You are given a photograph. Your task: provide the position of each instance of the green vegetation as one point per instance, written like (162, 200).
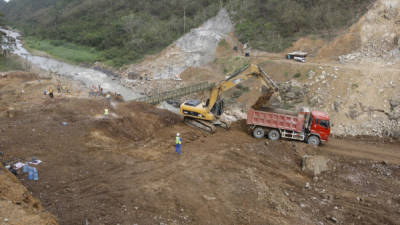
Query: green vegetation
(243, 88)
(223, 44)
(286, 74)
(273, 25)
(237, 94)
(240, 89)
(354, 86)
(9, 63)
(297, 75)
(123, 31)
(68, 51)
(232, 64)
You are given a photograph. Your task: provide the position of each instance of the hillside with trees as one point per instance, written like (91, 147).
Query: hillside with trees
(123, 31)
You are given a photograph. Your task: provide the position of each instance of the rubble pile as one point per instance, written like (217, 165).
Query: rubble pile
(375, 51)
(316, 98)
(292, 92)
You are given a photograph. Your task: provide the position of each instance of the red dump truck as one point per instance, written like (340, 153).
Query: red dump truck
(312, 127)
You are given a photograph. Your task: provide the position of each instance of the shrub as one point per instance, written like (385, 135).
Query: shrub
(297, 75)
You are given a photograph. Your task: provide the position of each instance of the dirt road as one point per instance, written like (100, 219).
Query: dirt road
(364, 149)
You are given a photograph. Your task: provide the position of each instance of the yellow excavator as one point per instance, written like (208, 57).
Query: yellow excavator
(206, 115)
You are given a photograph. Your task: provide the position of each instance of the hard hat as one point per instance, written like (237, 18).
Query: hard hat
(177, 134)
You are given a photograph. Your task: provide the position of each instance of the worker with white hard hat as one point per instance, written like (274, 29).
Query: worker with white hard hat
(178, 144)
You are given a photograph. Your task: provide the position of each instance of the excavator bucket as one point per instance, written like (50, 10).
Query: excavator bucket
(263, 100)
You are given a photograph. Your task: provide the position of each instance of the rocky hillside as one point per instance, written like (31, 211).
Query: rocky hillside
(355, 77)
(196, 48)
(124, 31)
(367, 98)
(374, 38)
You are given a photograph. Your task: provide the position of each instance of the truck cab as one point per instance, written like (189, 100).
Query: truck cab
(319, 126)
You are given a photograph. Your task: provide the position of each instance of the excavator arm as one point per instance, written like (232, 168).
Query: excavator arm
(245, 73)
(203, 116)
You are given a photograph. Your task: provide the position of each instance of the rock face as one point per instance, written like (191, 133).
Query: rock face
(315, 165)
(194, 49)
(395, 108)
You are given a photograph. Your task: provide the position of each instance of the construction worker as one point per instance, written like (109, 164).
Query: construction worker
(58, 87)
(106, 113)
(51, 93)
(178, 144)
(100, 90)
(108, 97)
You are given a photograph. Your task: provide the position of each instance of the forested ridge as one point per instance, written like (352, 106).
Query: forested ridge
(123, 31)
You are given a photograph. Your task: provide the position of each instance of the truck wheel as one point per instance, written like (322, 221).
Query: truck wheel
(274, 135)
(313, 140)
(258, 133)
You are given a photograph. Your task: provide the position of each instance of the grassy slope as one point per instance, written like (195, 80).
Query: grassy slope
(63, 50)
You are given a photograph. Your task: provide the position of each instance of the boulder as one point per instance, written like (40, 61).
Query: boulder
(394, 102)
(134, 76)
(315, 165)
(395, 114)
(11, 112)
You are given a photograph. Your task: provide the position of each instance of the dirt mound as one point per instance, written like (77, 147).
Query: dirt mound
(17, 206)
(344, 44)
(307, 44)
(136, 121)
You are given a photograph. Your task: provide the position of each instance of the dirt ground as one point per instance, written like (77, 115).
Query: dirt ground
(124, 169)
(17, 206)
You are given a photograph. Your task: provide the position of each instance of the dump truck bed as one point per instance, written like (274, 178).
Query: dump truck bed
(275, 120)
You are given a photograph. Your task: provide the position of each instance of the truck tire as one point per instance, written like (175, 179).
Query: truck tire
(258, 132)
(313, 140)
(274, 135)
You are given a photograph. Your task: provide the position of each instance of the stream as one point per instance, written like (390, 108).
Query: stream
(85, 75)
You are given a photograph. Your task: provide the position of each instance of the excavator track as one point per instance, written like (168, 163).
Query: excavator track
(201, 124)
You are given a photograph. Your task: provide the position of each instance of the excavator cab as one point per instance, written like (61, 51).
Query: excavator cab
(218, 108)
